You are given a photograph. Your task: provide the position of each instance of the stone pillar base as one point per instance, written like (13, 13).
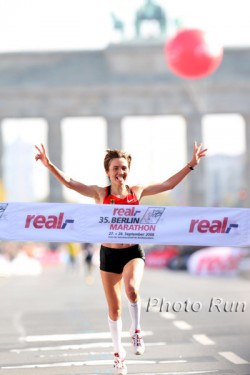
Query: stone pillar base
(55, 155)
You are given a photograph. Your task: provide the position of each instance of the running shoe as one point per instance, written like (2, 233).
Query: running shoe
(137, 342)
(120, 367)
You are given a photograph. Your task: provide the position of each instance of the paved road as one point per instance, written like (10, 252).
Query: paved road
(57, 324)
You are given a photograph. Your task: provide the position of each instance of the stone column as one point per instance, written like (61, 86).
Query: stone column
(247, 158)
(114, 132)
(196, 181)
(54, 142)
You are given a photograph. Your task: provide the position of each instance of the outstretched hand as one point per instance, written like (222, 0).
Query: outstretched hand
(197, 154)
(41, 155)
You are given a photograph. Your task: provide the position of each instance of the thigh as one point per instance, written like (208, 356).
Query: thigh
(112, 284)
(133, 273)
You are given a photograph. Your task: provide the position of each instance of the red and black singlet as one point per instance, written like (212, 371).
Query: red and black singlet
(112, 199)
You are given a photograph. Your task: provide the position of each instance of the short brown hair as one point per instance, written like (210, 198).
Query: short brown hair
(113, 154)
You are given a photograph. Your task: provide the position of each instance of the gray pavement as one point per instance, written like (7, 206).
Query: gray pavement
(56, 324)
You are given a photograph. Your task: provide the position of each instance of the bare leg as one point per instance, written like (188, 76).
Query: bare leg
(112, 284)
(132, 275)
(133, 272)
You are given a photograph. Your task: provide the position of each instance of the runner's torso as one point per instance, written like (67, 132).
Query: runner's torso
(130, 199)
(112, 199)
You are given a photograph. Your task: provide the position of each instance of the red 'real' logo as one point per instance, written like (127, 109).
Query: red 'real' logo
(48, 222)
(211, 226)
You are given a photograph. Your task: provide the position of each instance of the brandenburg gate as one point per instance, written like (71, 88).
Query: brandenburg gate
(126, 79)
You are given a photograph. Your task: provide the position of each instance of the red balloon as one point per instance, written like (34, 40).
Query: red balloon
(190, 54)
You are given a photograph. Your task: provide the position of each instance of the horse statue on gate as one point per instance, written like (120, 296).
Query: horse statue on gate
(150, 11)
(118, 24)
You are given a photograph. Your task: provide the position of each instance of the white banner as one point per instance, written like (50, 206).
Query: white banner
(64, 222)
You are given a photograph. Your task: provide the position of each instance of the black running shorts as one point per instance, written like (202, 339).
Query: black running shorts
(114, 260)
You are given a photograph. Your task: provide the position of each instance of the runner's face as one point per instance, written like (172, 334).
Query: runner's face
(118, 171)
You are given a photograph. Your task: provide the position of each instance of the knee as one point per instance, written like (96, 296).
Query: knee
(132, 294)
(115, 313)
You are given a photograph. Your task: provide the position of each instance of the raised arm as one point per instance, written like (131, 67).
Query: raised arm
(174, 180)
(89, 191)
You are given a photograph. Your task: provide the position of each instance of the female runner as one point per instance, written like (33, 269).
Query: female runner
(121, 262)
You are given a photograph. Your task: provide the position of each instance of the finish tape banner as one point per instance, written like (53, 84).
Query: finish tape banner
(65, 222)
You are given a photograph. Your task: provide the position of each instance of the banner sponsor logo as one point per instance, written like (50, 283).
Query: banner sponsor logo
(3, 207)
(152, 215)
(47, 222)
(125, 215)
(212, 226)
